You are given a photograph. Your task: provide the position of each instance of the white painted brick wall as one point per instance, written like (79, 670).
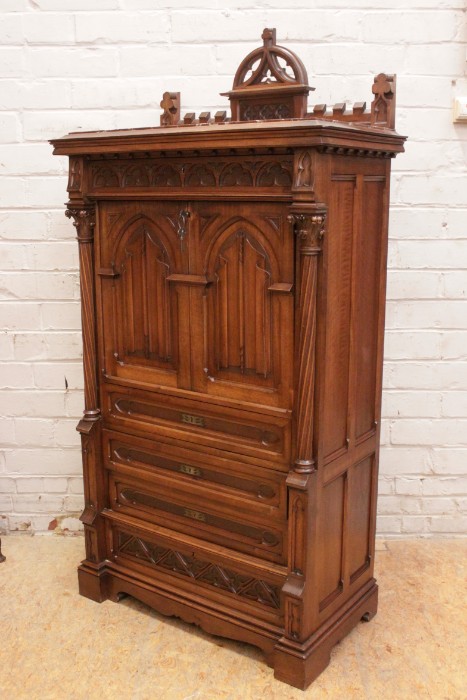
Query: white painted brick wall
(84, 64)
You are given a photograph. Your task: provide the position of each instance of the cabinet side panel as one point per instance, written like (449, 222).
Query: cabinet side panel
(336, 368)
(331, 540)
(359, 515)
(366, 303)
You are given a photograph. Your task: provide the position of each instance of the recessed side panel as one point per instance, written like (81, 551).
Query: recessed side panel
(367, 303)
(330, 569)
(361, 477)
(336, 368)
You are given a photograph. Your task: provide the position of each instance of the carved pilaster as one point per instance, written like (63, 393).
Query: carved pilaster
(294, 586)
(84, 222)
(308, 222)
(89, 427)
(299, 590)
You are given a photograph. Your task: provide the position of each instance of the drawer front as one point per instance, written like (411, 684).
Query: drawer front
(241, 487)
(195, 517)
(249, 434)
(197, 570)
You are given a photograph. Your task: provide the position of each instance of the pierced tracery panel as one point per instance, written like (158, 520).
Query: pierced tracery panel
(270, 64)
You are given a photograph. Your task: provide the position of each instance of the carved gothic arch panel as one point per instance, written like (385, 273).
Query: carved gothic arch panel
(143, 318)
(160, 232)
(224, 231)
(242, 267)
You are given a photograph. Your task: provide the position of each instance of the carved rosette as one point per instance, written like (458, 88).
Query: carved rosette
(309, 228)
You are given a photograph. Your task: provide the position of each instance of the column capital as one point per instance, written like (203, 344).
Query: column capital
(309, 226)
(84, 220)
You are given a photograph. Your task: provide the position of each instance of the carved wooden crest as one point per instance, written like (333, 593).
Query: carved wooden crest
(270, 83)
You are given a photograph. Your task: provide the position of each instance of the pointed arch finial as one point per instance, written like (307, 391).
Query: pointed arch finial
(270, 83)
(268, 36)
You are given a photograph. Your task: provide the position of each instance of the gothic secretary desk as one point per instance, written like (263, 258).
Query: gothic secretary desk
(233, 289)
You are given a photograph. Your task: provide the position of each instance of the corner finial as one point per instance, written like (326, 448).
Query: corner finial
(269, 37)
(383, 107)
(170, 103)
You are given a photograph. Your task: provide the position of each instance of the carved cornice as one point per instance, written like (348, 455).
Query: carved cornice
(358, 152)
(84, 220)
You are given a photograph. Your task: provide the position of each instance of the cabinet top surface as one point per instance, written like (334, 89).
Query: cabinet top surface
(277, 133)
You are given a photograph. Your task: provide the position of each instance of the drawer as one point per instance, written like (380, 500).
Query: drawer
(264, 437)
(195, 569)
(196, 517)
(242, 487)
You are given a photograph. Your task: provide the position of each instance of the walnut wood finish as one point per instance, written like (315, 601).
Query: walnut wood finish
(233, 289)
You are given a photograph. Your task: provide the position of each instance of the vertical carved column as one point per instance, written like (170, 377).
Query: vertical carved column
(83, 217)
(84, 222)
(308, 220)
(309, 227)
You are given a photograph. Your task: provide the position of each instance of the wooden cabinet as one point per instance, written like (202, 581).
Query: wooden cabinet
(233, 288)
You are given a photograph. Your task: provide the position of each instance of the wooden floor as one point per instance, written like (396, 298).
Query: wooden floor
(56, 644)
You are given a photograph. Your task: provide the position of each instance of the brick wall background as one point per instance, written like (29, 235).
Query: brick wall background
(65, 65)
